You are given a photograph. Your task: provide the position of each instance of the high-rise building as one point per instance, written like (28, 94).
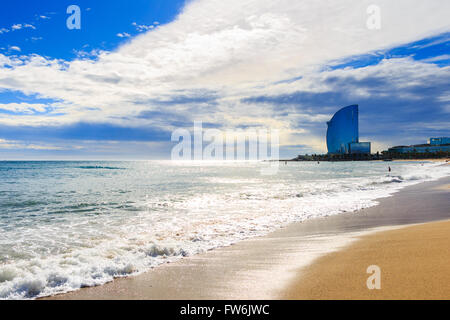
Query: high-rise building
(343, 133)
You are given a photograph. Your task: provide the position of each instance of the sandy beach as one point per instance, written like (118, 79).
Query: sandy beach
(413, 262)
(280, 264)
(446, 160)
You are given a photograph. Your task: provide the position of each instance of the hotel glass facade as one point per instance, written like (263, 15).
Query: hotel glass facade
(343, 133)
(439, 141)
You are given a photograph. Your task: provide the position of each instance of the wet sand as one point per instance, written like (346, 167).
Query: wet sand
(413, 262)
(444, 187)
(267, 267)
(422, 160)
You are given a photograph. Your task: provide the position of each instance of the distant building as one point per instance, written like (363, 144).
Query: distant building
(435, 145)
(439, 141)
(343, 133)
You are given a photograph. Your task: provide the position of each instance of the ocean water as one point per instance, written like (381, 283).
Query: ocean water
(67, 225)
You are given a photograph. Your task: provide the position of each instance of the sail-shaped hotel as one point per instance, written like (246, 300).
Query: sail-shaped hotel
(343, 133)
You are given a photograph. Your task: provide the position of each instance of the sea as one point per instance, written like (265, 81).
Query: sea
(65, 225)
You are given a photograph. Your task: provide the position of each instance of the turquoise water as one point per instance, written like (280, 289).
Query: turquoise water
(66, 225)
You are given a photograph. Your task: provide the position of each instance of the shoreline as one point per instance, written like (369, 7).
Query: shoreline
(412, 261)
(241, 271)
(443, 160)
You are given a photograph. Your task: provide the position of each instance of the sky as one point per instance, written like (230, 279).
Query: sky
(136, 71)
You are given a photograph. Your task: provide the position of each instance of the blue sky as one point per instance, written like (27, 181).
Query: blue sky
(102, 20)
(138, 70)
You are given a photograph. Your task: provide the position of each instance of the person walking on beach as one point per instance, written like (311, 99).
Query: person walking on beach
(390, 169)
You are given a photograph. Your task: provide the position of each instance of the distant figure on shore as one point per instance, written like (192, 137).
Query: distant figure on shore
(318, 162)
(390, 169)
(285, 163)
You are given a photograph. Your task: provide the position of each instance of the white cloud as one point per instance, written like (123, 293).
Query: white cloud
(438, 58)
(15, 48)
(17, 27)
(123, 35)
(25, 108)
(234, 48)
(8, 144)
(20, 26)
(142, 27)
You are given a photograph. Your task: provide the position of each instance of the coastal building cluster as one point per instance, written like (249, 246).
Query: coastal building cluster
(434, 145)
(343, 143)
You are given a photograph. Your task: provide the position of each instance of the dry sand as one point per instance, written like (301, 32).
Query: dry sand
(443, 160)
(414, 263)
